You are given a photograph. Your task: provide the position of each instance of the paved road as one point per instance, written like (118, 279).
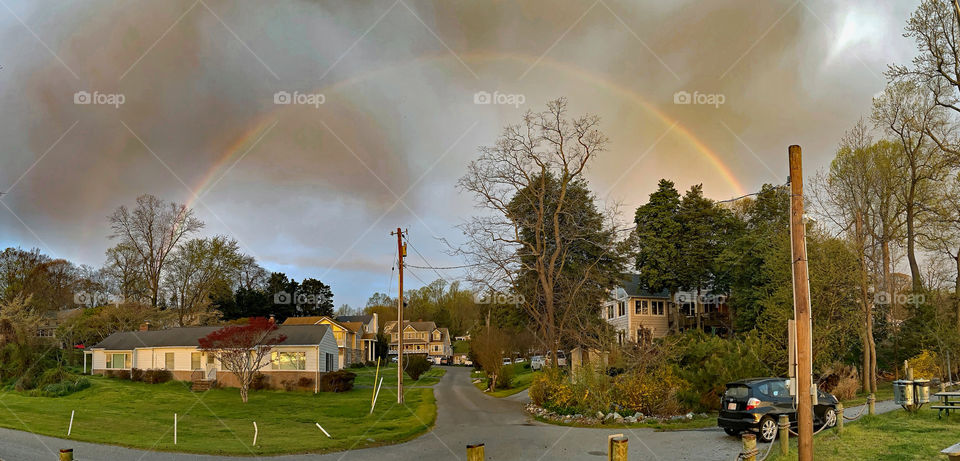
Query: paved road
(465, 416)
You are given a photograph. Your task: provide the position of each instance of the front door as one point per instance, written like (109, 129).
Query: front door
(211, 367)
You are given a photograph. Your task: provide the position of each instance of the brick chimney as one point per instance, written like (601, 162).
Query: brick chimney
(145, 326)
(273, 319)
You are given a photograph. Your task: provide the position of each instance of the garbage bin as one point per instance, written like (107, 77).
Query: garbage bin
(921, 389)
(903, 392)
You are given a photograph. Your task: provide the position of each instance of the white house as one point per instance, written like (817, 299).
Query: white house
(307, 351)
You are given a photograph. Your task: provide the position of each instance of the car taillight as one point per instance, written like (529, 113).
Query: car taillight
(753, 403)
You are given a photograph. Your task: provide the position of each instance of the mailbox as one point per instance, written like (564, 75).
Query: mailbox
(903, 392)
(921, 389)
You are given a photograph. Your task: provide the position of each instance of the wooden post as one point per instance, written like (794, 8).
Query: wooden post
(401, 252)
(617, 448)
(66, 454)
(801, 306)
(839, 418)
(784, 424)
(871, 404)
(749, 452)
(475, 452)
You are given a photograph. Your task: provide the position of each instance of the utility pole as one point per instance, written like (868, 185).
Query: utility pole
(801, 306)
(401, 252)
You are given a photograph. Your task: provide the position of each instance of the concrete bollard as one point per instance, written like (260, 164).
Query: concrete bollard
(475, 452)
(839, 418)
(66, 454)
(749, 451)
(617, 446)
(784, 424)
(871, 404)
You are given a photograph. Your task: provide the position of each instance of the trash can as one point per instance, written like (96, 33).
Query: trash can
(903, 392)
(921, 389)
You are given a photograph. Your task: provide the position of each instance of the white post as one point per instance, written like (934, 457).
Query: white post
(255, 432)
(174, 428)
(70, 427)
(375, 395)
(324, 431)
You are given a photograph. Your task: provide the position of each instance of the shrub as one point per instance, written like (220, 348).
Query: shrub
(357, 365)
(305, 381)
(504, 378)
(416, 366)
(841, 380)
(55, 376)
(157, 376)
(117, 374)
(65, 387)
(926, 365)
(288, 385)
(652, 392)
(552, 390)
(259, 382)
(136, 374)
(707, 363)
(337, 381)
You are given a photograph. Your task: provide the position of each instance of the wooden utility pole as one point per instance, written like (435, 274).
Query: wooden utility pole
(801, 306)
(401, 252)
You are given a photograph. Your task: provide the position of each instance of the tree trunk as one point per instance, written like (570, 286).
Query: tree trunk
(911, 244)
(697, 310)
(867, 375)
(243, 392)
(956, 291)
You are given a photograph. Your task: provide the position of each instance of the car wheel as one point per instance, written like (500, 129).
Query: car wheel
(768, 429)
(830, 417)
(731, 432)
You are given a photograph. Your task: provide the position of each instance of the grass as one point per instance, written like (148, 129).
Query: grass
(896, 435)
(522, 377)
(884, 392)
(367, 375)
(140, 415)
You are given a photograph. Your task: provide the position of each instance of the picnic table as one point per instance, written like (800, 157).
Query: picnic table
(948, 401)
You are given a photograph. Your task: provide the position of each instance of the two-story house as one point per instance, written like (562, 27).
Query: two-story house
(638, 315)
(421, 338)
(354, 343)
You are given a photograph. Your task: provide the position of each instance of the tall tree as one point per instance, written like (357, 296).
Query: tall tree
(196, 268)
(523, 183)
(153, 229)
(704, 232)
(314, 298)
(658, 239)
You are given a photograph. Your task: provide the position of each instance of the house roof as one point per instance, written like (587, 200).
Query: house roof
(369, 336)
(419, 326)
(297, 335)
(355, 318)
(303, 320)
(352, 326)
(631, 284)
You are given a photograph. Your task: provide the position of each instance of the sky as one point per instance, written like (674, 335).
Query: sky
(308, 131)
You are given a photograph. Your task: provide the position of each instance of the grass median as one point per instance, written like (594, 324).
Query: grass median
(522, 378)
(140, 415)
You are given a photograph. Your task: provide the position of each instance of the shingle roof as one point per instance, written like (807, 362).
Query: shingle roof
(352, 326)
(355, 318)
(631, 284)
(302, 320)
(419, 326)
(297, 335)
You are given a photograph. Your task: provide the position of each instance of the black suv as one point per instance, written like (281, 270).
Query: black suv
(756, 404)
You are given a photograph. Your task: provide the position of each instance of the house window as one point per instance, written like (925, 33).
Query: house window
(168, 361)
(657, 307)
(609, 312)
(620, 335)
(688, 309)
(288, 360)
(210, 358)
(118, 361)
(194, 360)
(341, 338)
(642, 307)
(621, 309)
(331, 364)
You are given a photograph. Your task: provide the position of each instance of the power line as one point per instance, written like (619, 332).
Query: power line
(441, 268)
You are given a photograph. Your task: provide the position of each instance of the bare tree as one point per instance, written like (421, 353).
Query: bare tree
(194, 270)
(153, 229)
(526, 183)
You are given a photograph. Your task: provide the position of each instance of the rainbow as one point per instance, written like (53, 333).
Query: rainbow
(258, 128)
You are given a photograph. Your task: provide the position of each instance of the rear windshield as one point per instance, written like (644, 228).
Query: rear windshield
(737, 392)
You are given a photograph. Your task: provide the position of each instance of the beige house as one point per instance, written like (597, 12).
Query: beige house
(308, 351)
(421, 338)
(356, 335)
(638, 315)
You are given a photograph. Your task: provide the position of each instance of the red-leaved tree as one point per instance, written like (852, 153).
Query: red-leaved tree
(241, 349)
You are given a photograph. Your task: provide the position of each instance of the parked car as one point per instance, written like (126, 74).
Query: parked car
(537, 362)
(519, 360)
(507, 361)
(756, 404)
(561, 358)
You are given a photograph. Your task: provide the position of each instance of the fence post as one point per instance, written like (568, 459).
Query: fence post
(784, 424)
(617, 446)
(66, 454)
(475, 452)
(871, 404)
(839, 418)
(749, 452)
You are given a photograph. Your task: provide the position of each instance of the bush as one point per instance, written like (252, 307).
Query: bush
(552, 390)
(651, 392)
(926, 365)
(416, 366)
(55, 376)
(136, 374)
(841, 380)
(337, 381)
(259, 382)
(117, 374)
(288, 385)
(65, 387)
(157, 376)
(357, 365)
(305, 382)
(707, 363)
(504, 378)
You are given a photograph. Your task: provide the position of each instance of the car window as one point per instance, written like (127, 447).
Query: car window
(776, 389)
(737, 392)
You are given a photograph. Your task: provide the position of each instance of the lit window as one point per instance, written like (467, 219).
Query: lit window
(194, 360)
(118, 361)
(288, 360)
(657, 307)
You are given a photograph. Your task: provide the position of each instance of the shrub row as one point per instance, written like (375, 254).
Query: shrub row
(149, 376)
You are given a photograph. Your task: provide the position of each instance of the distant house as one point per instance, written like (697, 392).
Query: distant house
(52, 321)
(308, 351)
(420, 338)
(639, 315)
(356, 335)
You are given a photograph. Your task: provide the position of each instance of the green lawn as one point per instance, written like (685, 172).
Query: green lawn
(522, 378)
(367, 375)
(896, 435)
(141, 415)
